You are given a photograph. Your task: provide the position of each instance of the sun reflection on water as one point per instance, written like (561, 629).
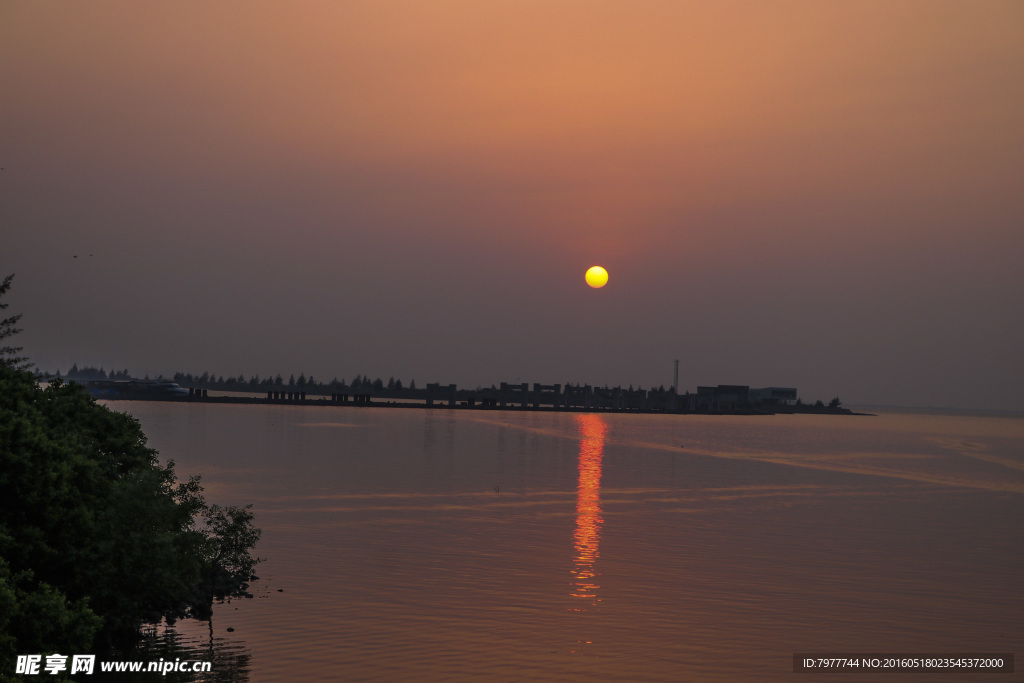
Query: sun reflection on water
(588, 509)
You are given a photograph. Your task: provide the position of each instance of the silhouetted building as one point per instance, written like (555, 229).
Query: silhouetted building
(723, 397)
(774, 396)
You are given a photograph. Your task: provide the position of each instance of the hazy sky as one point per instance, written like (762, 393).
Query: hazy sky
(826, 195)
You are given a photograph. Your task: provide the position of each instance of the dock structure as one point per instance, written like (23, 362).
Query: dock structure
(442, 392)
(633, 399)
(279, 396)
(514, 393)
(721, 399)
(508, 396)
(578, 397)
(547, 394)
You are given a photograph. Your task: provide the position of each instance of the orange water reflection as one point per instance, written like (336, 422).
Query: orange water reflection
(588, 508)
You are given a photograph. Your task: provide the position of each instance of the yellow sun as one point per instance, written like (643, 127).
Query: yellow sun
(597, 277)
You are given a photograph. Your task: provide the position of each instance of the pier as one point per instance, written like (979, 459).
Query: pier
(724, 399)
(522, 396)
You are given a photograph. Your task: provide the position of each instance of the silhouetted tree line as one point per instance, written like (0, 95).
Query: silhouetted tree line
(834, 404)
(208, 380)
(358, 384)
(88, 373)
(659, 391)
(255, 383)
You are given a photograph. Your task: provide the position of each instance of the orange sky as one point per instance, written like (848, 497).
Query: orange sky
(863, 158)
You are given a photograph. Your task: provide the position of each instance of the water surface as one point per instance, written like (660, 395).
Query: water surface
(468, 545)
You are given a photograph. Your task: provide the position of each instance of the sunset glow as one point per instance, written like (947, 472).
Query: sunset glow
(372, 172)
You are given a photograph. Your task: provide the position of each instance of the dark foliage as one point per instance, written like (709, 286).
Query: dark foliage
(96, 536)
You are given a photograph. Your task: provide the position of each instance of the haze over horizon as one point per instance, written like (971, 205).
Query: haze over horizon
(819, 195)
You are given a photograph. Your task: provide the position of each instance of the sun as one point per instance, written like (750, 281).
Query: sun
(597, 277)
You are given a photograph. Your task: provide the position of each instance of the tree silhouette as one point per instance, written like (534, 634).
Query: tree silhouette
(95, 533)
(9, 354)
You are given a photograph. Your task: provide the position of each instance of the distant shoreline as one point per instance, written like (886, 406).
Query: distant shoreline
(368, 402)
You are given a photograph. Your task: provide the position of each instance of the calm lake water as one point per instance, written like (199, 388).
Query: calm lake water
(508, 546)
